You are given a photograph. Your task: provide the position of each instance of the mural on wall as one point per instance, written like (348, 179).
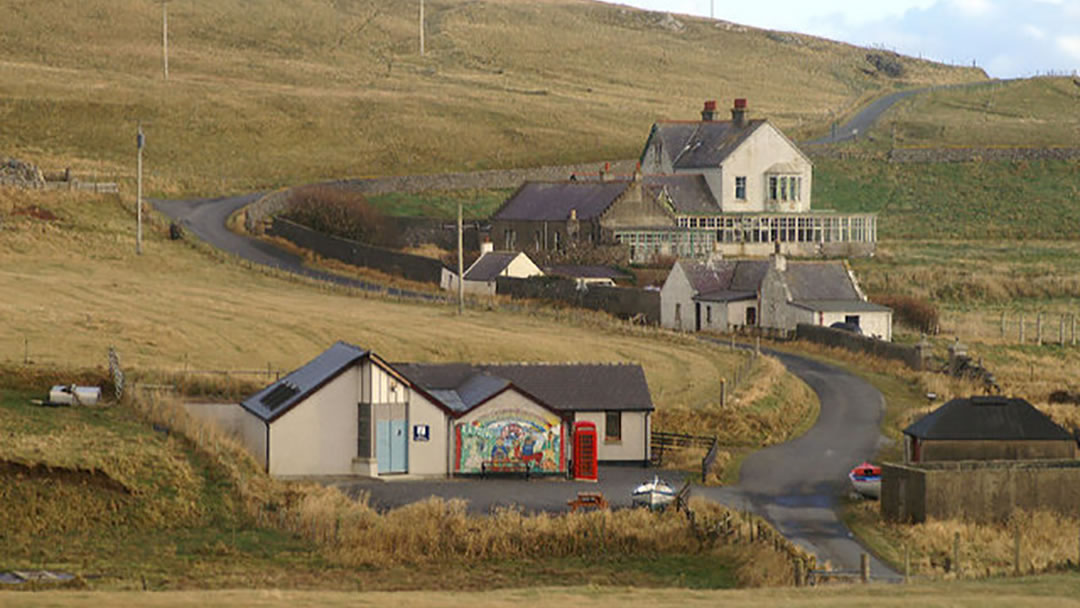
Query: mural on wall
(510, 435)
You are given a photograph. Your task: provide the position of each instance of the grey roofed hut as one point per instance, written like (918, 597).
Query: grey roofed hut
(987, 428)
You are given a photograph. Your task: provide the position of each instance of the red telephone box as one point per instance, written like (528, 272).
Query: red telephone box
(585, 451)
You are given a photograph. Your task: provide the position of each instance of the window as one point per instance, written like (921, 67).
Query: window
(785, 188)
(613, 426)
(511, 239)
(772, 187)
(555, 240)
(852, 319)
(740, 188)
(363, 431)
(539, 240)
(708, 315)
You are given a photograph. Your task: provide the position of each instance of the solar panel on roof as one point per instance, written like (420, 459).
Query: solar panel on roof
(281, 393)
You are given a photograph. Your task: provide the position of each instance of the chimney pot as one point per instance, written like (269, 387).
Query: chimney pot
(486, 247)
(708, 113)
(573, 214)
(738, 113)
(740, 103)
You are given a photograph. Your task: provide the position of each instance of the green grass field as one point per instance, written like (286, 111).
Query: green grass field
(297, 91)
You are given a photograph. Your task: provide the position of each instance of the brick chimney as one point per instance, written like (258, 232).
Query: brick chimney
(738, 113)
(708, 113)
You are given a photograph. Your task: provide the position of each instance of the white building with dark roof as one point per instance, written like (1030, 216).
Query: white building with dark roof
(481, 275)
(349, 412)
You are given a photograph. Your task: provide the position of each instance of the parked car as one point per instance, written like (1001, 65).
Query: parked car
(844, 326)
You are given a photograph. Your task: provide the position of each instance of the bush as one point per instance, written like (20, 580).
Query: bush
(338, 212)
(913, 312)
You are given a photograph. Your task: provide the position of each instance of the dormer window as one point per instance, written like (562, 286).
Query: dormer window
(785, 188)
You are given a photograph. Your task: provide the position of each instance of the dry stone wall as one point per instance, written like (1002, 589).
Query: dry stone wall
(963, 155)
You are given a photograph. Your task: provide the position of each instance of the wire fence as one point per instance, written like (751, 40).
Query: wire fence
(1016, 327)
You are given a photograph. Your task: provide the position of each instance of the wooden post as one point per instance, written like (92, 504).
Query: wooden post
(1016, 553)
(1038, 329)
(723, 392)
(1061, 331)
(139, 141)
(1073, 316)
(421, 28)
(907, 563)
(460, 261)
(1003, 324)
(956, 554)
(165, 36)
(1021, 328)
(864, 568)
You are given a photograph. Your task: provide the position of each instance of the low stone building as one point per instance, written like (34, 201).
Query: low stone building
(986, 428)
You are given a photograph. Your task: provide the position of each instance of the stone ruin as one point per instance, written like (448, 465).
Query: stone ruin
(14, 172)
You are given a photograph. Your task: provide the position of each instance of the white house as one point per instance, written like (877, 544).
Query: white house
(349, 412)
(722, 295)
(481, 275)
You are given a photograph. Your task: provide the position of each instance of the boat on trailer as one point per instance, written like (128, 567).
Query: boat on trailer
(866, 479)
(655, 494)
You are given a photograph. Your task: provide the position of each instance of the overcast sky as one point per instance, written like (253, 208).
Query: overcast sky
(1007, 38)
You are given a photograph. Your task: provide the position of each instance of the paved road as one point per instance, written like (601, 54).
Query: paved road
(865, 118)
(206, 217)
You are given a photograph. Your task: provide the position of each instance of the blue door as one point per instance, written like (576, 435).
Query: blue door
(382, 445)
(399, 446)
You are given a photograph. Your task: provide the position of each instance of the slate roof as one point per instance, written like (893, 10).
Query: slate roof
(819, 281)
(725, 275)
(700, 144)
(997, 418)
(689, 194)
(552, 201)
(273, 401)
(842, 306)
(562, 387)
(490, 265)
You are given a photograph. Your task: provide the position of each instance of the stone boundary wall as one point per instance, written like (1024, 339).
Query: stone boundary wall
(496, 178)
(984, 491)
(412, 267)
(963, 155)
(909, 355)
(623, 302)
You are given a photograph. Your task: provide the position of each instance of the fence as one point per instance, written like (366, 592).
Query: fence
(622, 302)
(1039, 328)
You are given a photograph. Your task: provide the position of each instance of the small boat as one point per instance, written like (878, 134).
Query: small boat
(866, 479)
(655, 494)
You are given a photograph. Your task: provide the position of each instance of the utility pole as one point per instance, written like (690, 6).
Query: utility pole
(140, 141)
(421, 28)
(460, 264)
(712, 9)
(165, 36)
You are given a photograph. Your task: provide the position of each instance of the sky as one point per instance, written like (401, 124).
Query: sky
(1007, 38)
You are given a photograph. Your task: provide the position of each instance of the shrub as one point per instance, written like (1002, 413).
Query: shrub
(338, 212)
(913, 312)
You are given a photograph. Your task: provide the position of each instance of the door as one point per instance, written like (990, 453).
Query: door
(751, 316)
(697, 316)
(392, 439)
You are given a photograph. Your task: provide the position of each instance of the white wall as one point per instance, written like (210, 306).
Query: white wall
(634, 443)
(234, 421)
(765, 148)
(318, 436)
(873, 324)
(677, 291)
(428, 458)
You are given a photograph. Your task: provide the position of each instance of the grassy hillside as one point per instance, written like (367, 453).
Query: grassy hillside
(1023, 113)
(290, 91)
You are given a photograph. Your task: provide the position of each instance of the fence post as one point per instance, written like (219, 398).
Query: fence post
(1073, 329)
(864, 568)
(1061, 331)
(1021, 328)
(723, 392)
(1016, 553)
(1003, 325)
(1038, 329)
(907, 563)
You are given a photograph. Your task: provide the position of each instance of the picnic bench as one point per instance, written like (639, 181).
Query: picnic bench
(505, 466)
(588, 500)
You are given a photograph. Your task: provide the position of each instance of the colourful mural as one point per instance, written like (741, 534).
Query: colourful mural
(510, 435)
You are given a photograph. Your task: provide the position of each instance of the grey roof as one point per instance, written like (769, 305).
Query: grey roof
(700, 144)
(274, 400)
(579, 271)
(819, 281)
(725, 275)
(842, 305)
(562, 387)
(552, 201)
(996, 418)
(725, 295)
(490, 265)
(689, 194)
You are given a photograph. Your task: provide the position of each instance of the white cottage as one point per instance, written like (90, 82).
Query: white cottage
(480, 277)
(348, 412)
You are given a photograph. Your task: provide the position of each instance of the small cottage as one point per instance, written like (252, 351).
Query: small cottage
(349, 412)
(481, 275)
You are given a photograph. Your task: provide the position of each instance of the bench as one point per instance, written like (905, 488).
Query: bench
(590, 500)
(505, 466)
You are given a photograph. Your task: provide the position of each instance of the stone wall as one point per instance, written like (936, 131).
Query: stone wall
(910, 355)
(938, 450)
(980, 491)
(963, 155)
(412, 267)
(623, 302)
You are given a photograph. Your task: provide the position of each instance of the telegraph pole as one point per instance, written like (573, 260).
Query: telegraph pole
(140, 141)
(421, 28)
(460, 264)
(165, 36)
(712, 9)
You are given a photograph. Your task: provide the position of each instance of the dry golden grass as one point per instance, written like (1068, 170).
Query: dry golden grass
(1036, 592)
(306, 90)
